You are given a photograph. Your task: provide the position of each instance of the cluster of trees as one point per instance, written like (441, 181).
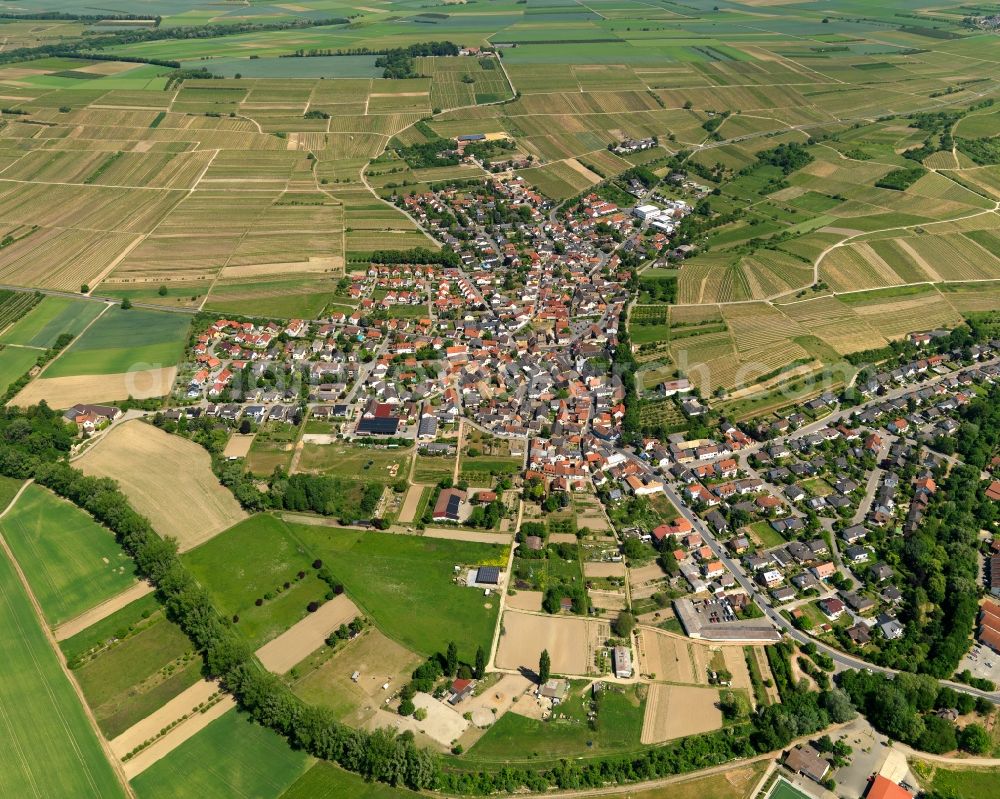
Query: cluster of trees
(901, 179)
(938, 565)
(904, 709)
(416, 255)
(399, 63)
(787, 157)
(978, 436)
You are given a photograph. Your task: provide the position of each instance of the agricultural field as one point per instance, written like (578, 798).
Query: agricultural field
(49, 319)
(153, 468)
(232, 756)
(52, 748)
(122, 341)
(71, 562)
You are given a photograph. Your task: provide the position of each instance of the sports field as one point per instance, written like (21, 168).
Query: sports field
(122, 341)
(785, 790)
(231, 757)
(71, 562)
(50, 748)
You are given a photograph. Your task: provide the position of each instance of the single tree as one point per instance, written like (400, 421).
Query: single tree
(480, 663)
(162, 291)
(126, 304)
(544, 667)
(451, 659)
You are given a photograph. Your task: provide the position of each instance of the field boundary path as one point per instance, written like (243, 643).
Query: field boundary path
(40, 617)
(100, 612)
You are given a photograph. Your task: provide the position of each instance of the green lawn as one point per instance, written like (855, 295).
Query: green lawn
(231, 757)
(123, 340)
(961, 783)
(326, 781)
(49, 748)
(252, 561)
(44, 323)
(768, 536)
(406, 585)
(432, 468)
(132, 678)
(515, 737)
(71, 562)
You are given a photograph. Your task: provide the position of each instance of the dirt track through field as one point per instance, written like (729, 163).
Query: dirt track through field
(308, 635)
(168, 479)
(99, 612)
(410, 504)
(178, 735)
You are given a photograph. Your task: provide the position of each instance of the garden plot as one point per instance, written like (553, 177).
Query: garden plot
(674, 711)
(571, 642)
(155, 469)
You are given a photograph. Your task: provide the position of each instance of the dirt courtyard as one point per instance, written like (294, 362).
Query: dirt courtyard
(570, 640)
(499, 698)
(673, 711)
(443, 724)
(168, 479)
(377, 659)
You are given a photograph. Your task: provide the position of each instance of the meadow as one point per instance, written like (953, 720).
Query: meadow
(326, 781)
(51, 748)
(406, 585)
(232, 756)
(269, 560)
(71, 562)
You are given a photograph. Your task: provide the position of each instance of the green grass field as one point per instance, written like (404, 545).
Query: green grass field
(117, 625)
(124, 340)
(254, 560)
(49, 747)
(71, 562)
(406, 585)
(14, 362)
(326, 781)
(517, 738)
(356, 463)
(231, 757)
(44, 323)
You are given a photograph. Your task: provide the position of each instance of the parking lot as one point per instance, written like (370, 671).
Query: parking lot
(982, 662)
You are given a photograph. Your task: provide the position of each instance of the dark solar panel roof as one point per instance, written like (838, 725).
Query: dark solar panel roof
(488, 574)
(380, 426)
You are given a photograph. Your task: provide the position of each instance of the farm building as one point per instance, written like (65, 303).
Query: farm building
(556, 690)
(622, 656)
(88, 418)
(449, 505)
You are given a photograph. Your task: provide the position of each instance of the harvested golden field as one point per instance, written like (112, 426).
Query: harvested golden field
(570, 640)
(673, 711)
(167, 478)
(62, 392)
(672, 658)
